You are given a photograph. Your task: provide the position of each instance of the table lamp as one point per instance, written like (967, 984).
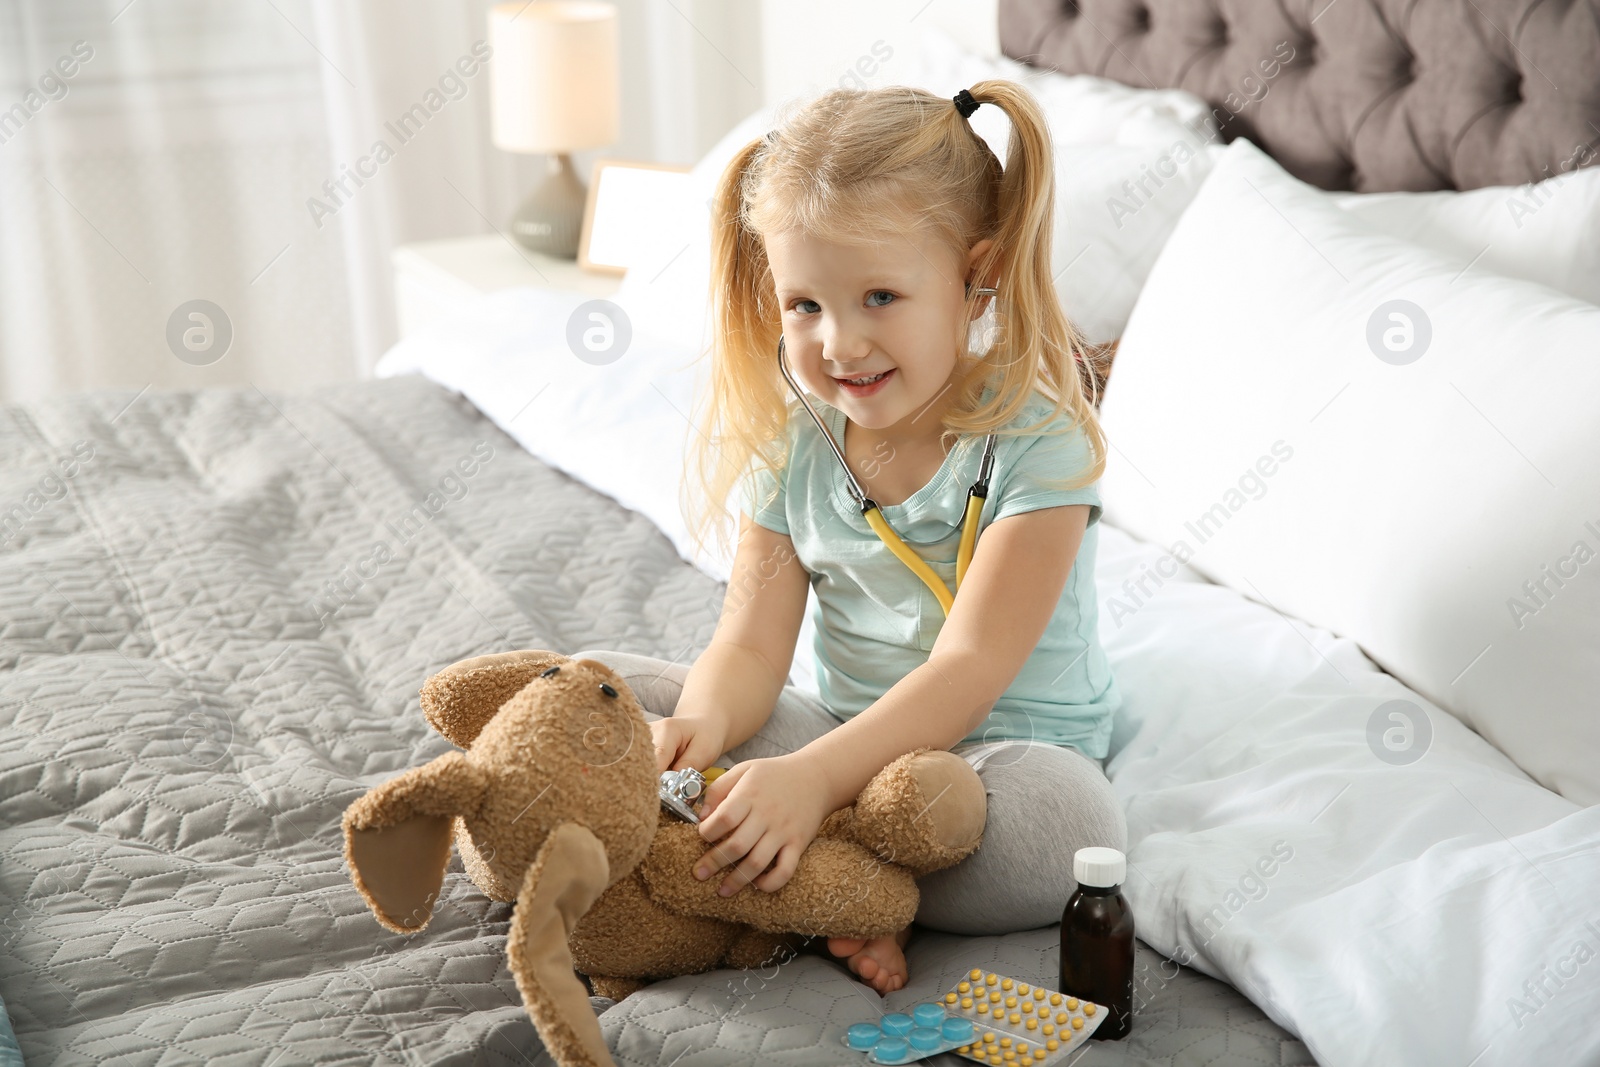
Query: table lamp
(554, 89)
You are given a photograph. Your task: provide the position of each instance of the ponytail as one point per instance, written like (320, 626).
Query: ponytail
(1037, 339)
(743, 411)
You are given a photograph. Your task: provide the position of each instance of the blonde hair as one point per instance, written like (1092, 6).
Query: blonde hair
(852, 165)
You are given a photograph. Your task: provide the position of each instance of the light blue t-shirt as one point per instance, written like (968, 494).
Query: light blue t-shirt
(876, 621)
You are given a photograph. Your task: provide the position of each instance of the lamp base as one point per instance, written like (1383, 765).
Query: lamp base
(550, 219)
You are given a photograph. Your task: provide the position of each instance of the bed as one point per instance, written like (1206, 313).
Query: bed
(213, 643)
(219, 606)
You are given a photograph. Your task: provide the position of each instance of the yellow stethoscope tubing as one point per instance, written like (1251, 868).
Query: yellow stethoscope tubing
(880, 525)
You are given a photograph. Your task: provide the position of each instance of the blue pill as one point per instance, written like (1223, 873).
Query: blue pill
(925, 1039)
(864, 1036)
(928, 1014)
(957, 1029)
(899, 1024)
(892, 1048)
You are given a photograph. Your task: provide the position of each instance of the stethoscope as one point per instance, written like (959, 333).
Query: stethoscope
(880, 525)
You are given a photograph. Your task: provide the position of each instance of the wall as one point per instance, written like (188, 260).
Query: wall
(806, 49)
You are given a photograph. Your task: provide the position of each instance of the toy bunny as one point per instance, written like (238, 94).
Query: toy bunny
(555, 805)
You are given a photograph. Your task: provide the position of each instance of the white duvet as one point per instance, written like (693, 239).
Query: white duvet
(1379, 879)
(1432, 905)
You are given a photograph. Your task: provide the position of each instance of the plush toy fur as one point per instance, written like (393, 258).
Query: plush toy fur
(554, 805)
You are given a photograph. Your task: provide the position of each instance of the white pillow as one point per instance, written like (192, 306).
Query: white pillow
(1415, 507)
(1547, 232)
(1116, 206)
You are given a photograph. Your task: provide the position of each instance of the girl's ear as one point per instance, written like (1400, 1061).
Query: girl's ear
(974, 258)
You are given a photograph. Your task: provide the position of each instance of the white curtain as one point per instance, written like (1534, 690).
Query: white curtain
(159, 152)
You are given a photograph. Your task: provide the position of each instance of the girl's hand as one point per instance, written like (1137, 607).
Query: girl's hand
(686, 742)
(760, 811)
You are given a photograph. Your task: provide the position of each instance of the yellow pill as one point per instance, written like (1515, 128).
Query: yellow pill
(1039, 1054)
(1005, 1042)
(1022, 987)
(1011, 1002)
(983, 1007)
(1088, 1009)
(1006, 983)
(1072, 1003)
(995, 995)
(1077, 1024)
(963, 1048)
(1061, 1018)
(1009, 1057)
(1038, 994)
(988, 1039)
(1048, 1028)
(1027, 1007)
(1022, 1046)
(1052, 1044)
(975, 974)
(1015, 1017)
(992, 978)
(1032, 1024)
(966, 1003)
(949, 998)
(1055, 998)
(965, 987)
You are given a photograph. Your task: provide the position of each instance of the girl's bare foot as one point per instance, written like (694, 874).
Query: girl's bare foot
(880, 962)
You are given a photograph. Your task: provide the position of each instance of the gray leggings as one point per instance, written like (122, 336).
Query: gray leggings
(1044, 803)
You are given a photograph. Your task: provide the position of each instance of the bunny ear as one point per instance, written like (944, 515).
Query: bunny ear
(566, 878)
(461, 699)
(397, 838)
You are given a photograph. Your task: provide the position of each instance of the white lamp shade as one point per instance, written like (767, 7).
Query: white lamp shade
(554, 84)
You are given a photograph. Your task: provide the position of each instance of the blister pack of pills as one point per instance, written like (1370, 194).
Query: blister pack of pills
(901, 1038)
(1020, 1024)
(987, 1017)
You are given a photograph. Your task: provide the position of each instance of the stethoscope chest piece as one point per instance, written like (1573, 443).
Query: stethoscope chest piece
(682, 791)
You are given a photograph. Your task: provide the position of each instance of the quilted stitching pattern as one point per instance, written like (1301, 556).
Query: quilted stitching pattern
(187, 706)
(204, 658)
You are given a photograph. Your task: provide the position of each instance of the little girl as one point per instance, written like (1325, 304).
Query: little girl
(870, 230)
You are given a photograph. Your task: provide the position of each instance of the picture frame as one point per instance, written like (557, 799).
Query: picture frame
(625, 202)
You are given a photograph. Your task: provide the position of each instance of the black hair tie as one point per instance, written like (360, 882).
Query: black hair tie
(965, 103)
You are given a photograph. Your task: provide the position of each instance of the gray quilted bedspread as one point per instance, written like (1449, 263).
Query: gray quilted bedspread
(216, 609)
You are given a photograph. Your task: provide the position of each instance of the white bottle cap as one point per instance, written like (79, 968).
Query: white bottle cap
(1099, 867)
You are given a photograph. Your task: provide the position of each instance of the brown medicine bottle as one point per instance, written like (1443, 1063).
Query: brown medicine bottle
(1097, 939)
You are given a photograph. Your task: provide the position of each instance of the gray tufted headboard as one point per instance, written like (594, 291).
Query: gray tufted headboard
(1370, 95)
